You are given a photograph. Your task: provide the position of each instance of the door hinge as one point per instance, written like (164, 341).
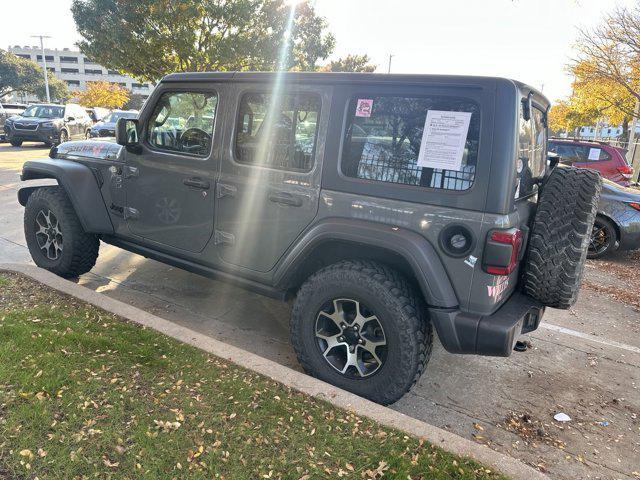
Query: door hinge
(223, 238)
(130, 213)
(225, 190)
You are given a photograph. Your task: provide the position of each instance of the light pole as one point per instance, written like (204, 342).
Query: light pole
(389, 69)
(44, 62)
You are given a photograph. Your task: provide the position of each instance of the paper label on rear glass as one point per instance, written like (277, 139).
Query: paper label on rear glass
(594, 154)
(364, 107)
(443, 139)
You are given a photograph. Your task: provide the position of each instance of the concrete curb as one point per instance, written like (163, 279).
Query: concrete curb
(291, 378)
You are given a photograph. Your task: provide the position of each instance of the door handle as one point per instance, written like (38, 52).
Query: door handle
(197, 183)
(285, 198)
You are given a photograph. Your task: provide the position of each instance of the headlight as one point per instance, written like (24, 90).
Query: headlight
(47, 124)
(8, 122)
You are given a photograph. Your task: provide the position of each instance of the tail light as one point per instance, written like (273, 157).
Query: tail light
(634, 205)
(501, 251)
(626, 171)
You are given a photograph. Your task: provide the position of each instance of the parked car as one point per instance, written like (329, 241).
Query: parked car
(369, 200)
(96, 114)
(8, 110)
(107, 126)
(610, 161)
(617, 225)
(51, 124)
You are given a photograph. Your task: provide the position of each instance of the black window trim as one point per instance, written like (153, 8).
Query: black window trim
(193, 156)
(411, 188)
(265, 91)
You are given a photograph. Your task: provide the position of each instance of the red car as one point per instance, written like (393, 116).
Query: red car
(608, 160)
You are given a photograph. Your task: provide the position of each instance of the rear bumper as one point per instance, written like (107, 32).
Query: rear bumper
(495, 334)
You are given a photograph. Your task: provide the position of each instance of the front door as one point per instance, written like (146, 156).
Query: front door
(169, 181)
(270, 178)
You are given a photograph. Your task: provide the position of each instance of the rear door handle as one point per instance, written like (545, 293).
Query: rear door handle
(197, 183)
(285, 198)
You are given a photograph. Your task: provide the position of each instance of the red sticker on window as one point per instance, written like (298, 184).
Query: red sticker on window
(364, 107)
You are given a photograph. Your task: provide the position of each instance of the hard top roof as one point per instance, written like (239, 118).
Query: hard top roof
(341, 78)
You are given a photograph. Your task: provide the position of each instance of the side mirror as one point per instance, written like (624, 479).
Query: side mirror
(127, 132)
(70, 119)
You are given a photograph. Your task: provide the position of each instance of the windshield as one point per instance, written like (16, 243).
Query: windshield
(114, 116)
(44, 111)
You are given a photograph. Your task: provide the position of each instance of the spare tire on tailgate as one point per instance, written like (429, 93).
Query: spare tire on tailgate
(560, 236)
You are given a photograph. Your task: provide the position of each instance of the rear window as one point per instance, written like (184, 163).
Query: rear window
(384, 140)
(574, 152)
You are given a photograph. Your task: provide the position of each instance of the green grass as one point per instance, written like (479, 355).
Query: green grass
(85, 394)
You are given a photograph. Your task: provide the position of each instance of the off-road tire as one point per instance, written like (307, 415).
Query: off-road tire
(80, 249)
(400, 310)
(560, 236)
(15, 143)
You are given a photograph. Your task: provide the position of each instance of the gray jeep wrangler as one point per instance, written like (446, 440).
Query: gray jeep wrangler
(383, 206)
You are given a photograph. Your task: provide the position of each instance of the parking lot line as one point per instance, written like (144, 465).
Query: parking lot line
(591, 338)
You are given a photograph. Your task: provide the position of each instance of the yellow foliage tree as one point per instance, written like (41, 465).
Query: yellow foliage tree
(103, 94)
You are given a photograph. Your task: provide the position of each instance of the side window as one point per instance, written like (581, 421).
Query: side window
(384, 136)
(183, 122)
(278, 132)
(596, 154)
(532, 152)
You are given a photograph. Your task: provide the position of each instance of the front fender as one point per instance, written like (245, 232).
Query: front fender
(414, 248)
(81, 187)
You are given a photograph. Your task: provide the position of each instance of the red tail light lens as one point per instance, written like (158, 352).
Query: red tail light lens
(635, 205)
(626, 171)
(497, 238)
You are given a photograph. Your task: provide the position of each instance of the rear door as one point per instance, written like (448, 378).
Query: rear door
(169, 181)
(270, 178)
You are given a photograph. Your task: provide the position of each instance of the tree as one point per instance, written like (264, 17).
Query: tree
(608, 62)
(350, 63)
(150, 38)
(135, 102)
(19, 75)
(103, 94)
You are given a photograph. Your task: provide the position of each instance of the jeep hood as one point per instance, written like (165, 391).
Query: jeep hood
(92, 149)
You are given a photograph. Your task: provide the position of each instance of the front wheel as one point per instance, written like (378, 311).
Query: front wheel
(63, 137)
(15, 143)
(360, 326)
(54, 235)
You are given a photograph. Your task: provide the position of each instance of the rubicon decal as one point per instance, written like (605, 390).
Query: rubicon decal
(496, 291)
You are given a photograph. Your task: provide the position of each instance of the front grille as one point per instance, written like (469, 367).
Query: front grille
(106, 133)
(25, 126)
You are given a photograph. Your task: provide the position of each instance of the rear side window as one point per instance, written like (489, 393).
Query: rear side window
(532, 152)
(384, 136)
(278, 132)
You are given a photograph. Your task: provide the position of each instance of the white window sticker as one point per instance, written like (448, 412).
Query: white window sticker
(443, 139)
(594, 154)
(364, 107)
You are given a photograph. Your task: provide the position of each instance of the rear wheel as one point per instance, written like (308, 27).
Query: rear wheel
(360, 326)
(54, 235)
(560, 236)
(87, 134)
(604, 238)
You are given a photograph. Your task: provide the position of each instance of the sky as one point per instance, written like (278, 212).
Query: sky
(528, 40)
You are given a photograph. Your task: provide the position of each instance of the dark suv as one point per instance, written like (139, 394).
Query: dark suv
(51, 124)
(383, 206)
